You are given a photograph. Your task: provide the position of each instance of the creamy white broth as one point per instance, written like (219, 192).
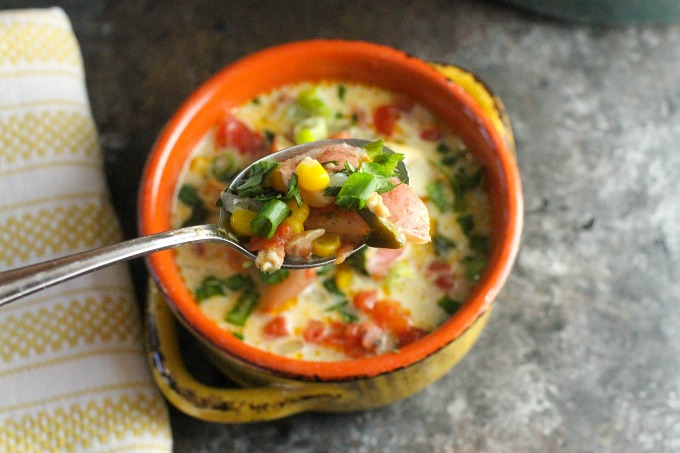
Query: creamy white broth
(418, 279)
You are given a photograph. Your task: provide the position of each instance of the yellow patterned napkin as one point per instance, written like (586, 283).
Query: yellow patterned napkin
(73, 376)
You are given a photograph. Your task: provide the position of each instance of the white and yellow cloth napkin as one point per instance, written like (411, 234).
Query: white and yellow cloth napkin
(73, 376)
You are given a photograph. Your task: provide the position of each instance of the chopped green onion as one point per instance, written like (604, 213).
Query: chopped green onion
(356, 190)
(310, 101)
(311, 129)
(449, 304)
(238, 335)
(269, 218)
(252, 186)
(245, 304)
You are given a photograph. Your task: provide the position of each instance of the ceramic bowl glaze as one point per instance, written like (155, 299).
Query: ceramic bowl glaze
(275, 386)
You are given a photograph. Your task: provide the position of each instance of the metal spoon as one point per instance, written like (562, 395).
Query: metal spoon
(26, 280)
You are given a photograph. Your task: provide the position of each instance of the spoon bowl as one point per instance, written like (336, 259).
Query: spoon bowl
(20, 282)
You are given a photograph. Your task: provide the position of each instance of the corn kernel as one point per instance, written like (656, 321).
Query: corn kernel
(433, 226)
(295, 224)
(326, 245)
(275, 180)
(311, 175)
(200, 165)
(240, 221)
(343, 277)
(299, 213)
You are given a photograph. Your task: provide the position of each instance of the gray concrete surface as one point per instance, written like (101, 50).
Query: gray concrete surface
(582, 353)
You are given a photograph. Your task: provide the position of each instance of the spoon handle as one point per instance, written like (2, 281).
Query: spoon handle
(26, 280)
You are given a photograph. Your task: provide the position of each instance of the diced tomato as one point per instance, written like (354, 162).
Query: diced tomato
(277, 327)
(314, 332)
(384, 119)
(446, 281)
(441, 274)
(233, 133)
(410, 335)
(341, 134)
(281, 236)
(431, 134)
(362, 338)
(386, 313)
(365, 300)
(354, 339)
(392, 316)
(438, 267)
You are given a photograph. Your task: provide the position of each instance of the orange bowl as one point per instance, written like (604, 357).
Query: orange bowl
(337, 60)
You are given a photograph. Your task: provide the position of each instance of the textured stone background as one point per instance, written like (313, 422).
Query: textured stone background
(582, 353)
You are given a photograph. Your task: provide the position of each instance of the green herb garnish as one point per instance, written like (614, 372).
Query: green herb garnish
(252, 186)
(341, 92)
(293, 191)
(342, 309)
(238, 282)
(443, 148)
(442, 244)
(269, 218)
(245, 304)
(332, 287)
(213, 286)
(437, 193)
(473, 267)
(467, 223)
(449, 304)
(274, 277)
(480, 243)
(356, 190)
(188, 195)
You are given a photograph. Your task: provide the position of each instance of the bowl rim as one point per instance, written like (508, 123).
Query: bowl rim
(164, 272)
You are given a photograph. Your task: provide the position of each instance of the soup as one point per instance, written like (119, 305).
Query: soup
(324, 201)
(378, 300)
